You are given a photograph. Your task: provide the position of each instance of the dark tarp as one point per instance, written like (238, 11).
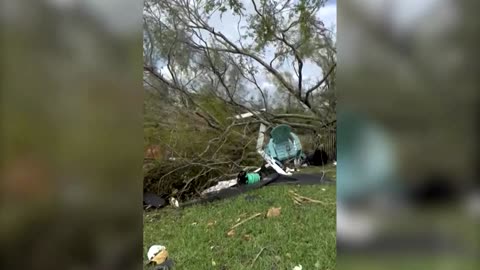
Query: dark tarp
(151, 200)
(273, 179)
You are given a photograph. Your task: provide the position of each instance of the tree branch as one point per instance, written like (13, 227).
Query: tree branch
(313, 88)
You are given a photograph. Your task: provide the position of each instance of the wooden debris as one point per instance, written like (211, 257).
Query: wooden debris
(245, 220)
(299, 199)
(256, 257)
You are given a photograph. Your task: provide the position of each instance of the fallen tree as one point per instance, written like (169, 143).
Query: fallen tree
(197, 78)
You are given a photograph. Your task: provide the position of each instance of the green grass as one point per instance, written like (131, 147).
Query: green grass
(302, 234)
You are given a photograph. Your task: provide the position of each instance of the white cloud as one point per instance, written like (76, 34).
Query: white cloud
(328, 14)
(267, 85)
(181, 75)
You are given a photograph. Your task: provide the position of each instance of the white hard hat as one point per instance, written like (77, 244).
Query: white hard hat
(154, 250)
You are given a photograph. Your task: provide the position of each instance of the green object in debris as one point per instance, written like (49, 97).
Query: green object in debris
(284, 145)
(253, 178)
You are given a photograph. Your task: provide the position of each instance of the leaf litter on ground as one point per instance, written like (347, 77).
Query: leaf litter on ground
(273, 212)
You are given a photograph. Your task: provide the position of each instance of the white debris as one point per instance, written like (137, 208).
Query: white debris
(174, 202)
(221, 185)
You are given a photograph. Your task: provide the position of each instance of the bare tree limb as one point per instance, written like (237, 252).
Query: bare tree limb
(313, 88)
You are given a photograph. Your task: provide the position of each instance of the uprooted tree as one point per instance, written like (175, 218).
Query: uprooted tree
(206, 61)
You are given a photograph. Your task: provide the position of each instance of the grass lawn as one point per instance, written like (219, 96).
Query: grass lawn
(196, 237)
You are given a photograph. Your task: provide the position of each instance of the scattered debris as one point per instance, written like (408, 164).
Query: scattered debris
(288, 170)
(221, 185)
(211, 223)
(213, 263)
(283, 145)
(317, 265)
(247, 237)
(245, 220)
(231, 233)
(298, 199)
(298, 267)
(174, 202)
(273, 212)
(245, 178)
(274, 178)
(194, 223)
